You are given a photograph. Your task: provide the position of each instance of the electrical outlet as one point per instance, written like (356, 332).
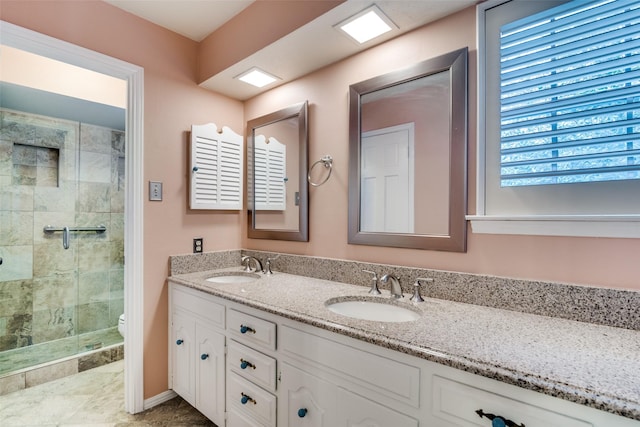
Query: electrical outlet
(197, 245)
(155, 191)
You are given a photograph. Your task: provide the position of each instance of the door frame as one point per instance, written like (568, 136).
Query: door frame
(31, 41)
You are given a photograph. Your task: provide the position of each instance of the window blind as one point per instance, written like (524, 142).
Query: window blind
(570, 95)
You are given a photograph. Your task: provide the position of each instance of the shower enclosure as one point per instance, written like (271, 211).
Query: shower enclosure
(61, 287)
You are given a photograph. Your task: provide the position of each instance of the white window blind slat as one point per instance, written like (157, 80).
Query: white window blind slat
(569, 31)
(569, 103)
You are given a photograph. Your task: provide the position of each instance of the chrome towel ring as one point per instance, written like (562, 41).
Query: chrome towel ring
(327, 161)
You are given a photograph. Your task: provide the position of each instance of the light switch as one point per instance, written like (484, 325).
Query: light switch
(155, 191)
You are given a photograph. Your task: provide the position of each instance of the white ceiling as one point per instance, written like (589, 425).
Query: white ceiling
(195, 19)
(307, 49)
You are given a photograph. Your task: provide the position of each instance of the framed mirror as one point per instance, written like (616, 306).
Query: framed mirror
(408, 156)
(277, 163)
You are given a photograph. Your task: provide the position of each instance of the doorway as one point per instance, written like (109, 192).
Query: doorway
(29, 41)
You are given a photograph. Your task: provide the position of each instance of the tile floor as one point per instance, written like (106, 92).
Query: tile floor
(93, 398)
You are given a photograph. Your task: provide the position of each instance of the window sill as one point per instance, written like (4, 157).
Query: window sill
(614, 226)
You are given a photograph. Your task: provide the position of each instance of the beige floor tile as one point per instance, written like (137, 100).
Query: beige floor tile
(94, 398)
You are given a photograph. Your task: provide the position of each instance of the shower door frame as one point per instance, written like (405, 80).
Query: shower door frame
(31, 41)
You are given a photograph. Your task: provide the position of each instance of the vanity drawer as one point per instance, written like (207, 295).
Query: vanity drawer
(252, 330)
(252, 365)
(198, 303)
(250, 401)
(457, 403)
(379, 376)
(236, 419)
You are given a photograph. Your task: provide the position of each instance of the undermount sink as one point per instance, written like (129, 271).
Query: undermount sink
(233, 278)
(377, 310)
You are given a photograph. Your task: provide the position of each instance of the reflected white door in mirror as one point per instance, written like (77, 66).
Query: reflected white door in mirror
(387, 179)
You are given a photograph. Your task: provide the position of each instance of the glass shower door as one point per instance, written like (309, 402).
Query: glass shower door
(61, 289)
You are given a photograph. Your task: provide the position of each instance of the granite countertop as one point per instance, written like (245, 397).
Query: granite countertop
(593, 365)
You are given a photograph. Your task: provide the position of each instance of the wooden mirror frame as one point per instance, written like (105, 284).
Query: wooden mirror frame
(455, 241)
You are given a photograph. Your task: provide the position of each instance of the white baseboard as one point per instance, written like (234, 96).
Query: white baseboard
(158, 399)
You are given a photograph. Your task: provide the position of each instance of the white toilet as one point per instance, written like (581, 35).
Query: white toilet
(121, 325)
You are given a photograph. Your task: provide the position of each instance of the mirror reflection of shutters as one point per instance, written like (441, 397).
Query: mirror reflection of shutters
(216, 168)
(270, 174)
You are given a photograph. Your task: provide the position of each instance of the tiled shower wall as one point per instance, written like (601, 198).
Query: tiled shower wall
(59, 173)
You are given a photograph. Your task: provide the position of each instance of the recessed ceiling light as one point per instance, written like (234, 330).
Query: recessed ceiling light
(367, 25)
(257, 77)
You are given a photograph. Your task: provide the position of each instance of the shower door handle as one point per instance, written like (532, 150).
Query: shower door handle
(67, 230)
(0, 260)
(65, 237)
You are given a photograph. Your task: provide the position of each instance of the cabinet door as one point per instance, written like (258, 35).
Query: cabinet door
(356, 411)
(183, 370)
(210, 379)
(306, 400)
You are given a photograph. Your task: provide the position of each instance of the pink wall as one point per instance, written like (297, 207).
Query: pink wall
(590, 261)
(172, 102)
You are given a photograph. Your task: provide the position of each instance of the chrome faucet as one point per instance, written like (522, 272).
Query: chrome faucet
(396, 290)
(267, 267)
(374, 282)
(247, 260)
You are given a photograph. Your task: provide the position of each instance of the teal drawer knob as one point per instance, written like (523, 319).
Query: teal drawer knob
(244, 399)
(178, 342)
(244, 329)
(195, 169)
(497, 420)
(244, 364)
(204, 356)
(302, 412)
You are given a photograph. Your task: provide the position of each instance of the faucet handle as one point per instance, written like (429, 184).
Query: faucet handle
(267, 267)
(246, 261)
(416, 289)
(374, 282)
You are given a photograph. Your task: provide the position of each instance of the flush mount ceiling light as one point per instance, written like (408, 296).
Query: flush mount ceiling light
(257, 77)
(367, 25)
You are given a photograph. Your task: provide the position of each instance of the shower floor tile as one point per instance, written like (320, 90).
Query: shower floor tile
(92, 398)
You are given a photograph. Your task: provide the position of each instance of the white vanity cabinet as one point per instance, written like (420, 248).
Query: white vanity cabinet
(283, 373)
(197, 351)
(251, 374)
(306, 401)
